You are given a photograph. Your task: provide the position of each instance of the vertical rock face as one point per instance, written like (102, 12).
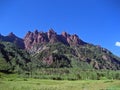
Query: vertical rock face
(28, 39)
(35, 37)
(51, 36)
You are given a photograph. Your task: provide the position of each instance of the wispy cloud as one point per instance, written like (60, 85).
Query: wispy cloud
(117, 44)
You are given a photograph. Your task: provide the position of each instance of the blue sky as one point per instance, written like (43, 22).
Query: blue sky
(95, 21)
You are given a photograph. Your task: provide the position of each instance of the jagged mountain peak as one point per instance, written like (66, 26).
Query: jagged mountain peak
(11, 37)
(51, 36)
(65, 34)
(51, 31)
(36, 31)
(11, 34)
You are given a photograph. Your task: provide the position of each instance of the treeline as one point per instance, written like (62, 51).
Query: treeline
(72, 74)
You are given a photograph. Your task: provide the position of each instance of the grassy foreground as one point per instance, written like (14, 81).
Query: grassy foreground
(40, 84)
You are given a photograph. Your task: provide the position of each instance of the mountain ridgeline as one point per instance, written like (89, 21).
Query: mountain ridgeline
(50, 50)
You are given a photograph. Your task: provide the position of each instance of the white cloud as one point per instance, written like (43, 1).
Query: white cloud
(117, 44)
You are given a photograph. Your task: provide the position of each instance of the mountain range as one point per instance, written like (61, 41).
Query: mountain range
(52, 50)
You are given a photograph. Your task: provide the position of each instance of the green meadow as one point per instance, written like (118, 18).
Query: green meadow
(36, 84)
(14, 83)
(61, 82)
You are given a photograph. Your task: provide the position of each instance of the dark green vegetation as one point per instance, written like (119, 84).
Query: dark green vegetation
(59, 62)
(87, 56)
(12, 59)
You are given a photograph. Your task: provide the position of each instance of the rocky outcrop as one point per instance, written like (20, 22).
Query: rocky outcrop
(51, 36)
(33, 38)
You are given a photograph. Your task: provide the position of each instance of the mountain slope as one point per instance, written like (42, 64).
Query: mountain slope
(12, 59)
(52, 50)
(13, 39)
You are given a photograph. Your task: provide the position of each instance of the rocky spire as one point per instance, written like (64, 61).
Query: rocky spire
(51, 36)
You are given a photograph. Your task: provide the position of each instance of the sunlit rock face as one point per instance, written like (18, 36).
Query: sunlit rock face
(51, 36)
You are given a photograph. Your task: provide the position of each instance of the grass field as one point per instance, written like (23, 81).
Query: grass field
(39, 84)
